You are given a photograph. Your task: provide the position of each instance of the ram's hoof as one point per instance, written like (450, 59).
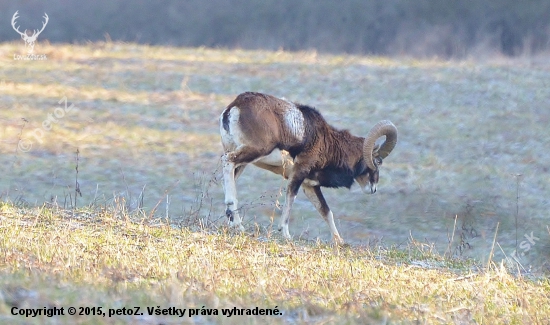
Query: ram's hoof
(229, 214)
(338, 240)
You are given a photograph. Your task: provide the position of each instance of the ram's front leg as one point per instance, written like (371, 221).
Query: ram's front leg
(291, 192)
(316, 197)
(230, 189)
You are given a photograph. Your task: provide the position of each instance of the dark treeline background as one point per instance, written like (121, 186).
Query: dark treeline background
(444, 28)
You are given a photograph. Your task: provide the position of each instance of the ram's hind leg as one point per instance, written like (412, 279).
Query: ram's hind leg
(316, 197)
(233, 163)
(230, 190)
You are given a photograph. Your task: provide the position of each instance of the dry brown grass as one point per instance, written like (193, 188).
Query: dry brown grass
(48, 256)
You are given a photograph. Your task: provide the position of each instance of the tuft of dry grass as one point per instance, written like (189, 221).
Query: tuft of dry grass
(100, 257)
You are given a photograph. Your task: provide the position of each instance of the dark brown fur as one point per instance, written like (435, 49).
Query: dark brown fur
(322, 154)
(325, 154)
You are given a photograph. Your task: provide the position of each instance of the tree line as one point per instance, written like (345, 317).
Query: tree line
(444, 28)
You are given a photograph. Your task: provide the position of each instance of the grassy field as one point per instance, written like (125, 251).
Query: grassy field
(59, 259)
(468, 177)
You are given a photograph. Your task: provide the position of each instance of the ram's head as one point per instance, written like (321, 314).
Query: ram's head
(374, 154)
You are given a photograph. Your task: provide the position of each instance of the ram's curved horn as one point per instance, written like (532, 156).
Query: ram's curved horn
(380, 129)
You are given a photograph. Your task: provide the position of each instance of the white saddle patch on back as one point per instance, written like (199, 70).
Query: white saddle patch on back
(294, 120)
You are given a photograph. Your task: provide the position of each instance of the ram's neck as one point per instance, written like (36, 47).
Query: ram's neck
(343, 149)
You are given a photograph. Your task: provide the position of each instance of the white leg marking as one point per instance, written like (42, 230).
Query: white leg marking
(285, 216)
(232, 141)
(329, 217)
(230, 192)
(335, 235)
